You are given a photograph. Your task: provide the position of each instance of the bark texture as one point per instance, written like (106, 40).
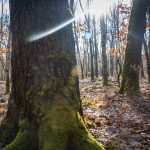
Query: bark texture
(104, 55)
(137, 23)
(147, 56)
(44, 107)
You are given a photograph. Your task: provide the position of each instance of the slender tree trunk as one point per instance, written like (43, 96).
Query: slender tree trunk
(7, 70)
(91, 58)
(78, 53)
(104, 55)
(96, 49)
(142, 69)
(147, 59)
(120, 70)
(137, 23)
(86, 64)
(90, 45)
(111, 66)
(96, 60)
(45, 92)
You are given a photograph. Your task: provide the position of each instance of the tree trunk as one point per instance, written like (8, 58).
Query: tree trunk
(91, 58)
(45, 92)
(111, 66)
(142, 70)
(137, 23)
(104, 55)
(96, 48)
(7, 70)
(86, 63)
(147, 59)
(78, 53)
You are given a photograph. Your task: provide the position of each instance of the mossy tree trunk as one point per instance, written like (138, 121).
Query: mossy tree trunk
(131, 68)
(44, 108)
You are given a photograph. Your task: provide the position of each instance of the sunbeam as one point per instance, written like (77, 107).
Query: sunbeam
(40, 35)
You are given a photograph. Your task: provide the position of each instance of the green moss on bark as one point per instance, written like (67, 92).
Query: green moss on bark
(26, 139)
(21, 142)
(62, 128)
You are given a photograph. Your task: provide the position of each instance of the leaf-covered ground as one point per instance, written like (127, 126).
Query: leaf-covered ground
(118, 122)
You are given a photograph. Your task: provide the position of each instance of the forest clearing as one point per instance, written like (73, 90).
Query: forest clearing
(75, 75)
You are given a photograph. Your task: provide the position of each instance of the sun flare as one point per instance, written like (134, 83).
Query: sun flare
(99, 7)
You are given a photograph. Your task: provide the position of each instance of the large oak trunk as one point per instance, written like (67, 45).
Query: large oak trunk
(44, 108)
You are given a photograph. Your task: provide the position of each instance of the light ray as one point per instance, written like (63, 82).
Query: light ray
(96, 8)
(35, 37)
(40, 35)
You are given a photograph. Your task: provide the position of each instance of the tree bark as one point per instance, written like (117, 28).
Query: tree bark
(45, 92)
(78, 53)
(104, 55)
(95, 48)
(137, 23)
(7, 70)
(91, 59)
(147, 59)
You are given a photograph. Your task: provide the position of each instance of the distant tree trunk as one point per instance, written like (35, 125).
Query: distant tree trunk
(116, 65)
(96, 49)
(86, 64)
(113, 32)
(120, 70)
(90, 45)
(137, 23)
(7, 70)
(111, 69)
(91, 51)
(78, 53)
(86, 58)
(111, 61)
(104, 55)
(142, 69)
(117, 30)
(96, 60)
(43, 112)
(91, 58)
(147, 56)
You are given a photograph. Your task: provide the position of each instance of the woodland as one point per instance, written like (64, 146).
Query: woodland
(74, 74)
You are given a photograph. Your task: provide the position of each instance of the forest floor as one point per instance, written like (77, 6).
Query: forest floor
(117, 121)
